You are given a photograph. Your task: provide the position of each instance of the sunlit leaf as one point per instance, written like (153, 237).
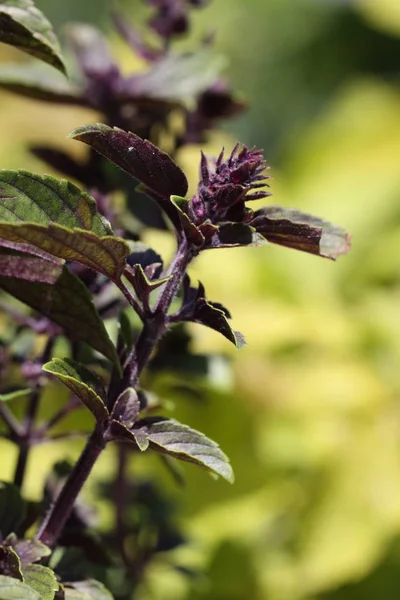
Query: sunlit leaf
(13, 589)
(105, 254)
(171, 437)
(42, 579)
(29, 551)
(42, 199)
(81, 382)
(25, 26)
(140, 158)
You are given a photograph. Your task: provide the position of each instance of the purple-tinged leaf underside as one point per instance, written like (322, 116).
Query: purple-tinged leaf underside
(27, 267)
(67, 302)
(82, 382)
(139, 158)
(42, 199)
(105, 255)
(39, 83)
(90, 589)
(29, 551)
(13, 589)
(25, 26)
(91, 52)
(180, 441)
(294, 229)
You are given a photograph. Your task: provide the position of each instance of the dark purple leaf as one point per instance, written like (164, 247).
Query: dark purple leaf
(92, 54)
(9, 563)
(294, 229)
(140, 158)
(126, 408)
(236, 234)
(118, 432)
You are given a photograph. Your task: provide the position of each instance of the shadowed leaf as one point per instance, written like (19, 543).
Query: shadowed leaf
(40, 83)
(68, 303)
(140, 158)
(24, 26)
(10, 563)
(171, 437)
(29, 268)
(12, 589)
(294, 229)
(12, 509)
(126, 407)
(82, 382)
(42, 199)
(42, 580)
(236, 234)
(118, 431)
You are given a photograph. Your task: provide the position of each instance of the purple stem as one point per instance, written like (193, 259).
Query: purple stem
(155, 324)
(58, 514)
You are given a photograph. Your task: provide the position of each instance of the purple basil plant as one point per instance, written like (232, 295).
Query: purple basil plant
(74, 258)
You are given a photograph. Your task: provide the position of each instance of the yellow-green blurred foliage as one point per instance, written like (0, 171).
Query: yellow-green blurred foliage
(312, 419)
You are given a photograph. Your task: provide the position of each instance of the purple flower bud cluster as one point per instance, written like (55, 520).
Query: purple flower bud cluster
(227, 185)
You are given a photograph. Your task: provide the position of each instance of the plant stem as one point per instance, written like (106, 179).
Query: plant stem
(13, 425)
(58, 514)
(25, 440)
(155, 323)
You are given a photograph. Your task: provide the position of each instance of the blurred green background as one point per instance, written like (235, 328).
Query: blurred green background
(311, 416)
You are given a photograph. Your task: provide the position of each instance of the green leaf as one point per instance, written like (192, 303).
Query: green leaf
(9, 396)
(12, 589)
(68, 303)
(42, 579)
(12, 508)
(105, 255)
(24, 26)
(171, 437)
(42, 199)
(89, 590)
(40, 83)
(82, 382)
